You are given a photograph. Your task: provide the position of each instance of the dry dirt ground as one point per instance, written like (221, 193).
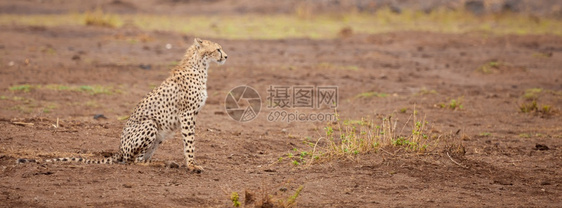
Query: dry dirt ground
(512, 159)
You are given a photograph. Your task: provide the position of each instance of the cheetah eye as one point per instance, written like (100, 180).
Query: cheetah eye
(219, 50)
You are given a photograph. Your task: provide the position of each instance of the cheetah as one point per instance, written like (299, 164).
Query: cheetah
(171, 106)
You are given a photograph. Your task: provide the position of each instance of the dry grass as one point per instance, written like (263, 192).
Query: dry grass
(100, 18)
(280, 197)
(304, 23)
(349, 138)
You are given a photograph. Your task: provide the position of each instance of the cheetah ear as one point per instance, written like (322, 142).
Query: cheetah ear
(197, 41)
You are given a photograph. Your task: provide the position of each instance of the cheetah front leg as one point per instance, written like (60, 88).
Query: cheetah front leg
(188, 134)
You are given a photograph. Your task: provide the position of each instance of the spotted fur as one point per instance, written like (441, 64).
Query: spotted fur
(171, 106)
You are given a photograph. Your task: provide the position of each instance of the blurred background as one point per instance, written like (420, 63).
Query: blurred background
(472, 88)
(243, 19)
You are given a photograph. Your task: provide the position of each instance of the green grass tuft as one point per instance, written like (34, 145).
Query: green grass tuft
(370, 94)
(100, 18)
(92, 90)
(532, 93)
(23, 88)
(234, 198)
(454, 104)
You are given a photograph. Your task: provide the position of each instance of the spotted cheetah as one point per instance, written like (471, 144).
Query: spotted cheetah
(171, 106)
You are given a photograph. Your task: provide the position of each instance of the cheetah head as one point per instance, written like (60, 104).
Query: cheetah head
(210, 49)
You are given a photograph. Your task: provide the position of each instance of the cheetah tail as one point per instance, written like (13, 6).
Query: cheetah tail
(110, 160)
(83, 160)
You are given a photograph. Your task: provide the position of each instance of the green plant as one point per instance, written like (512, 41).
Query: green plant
(94, 90)
(524, 135)
(533, 107)
(539, 135)
(173, 63)
(454, 104)
(485, 134)
(532, 93)
(489, 67)
(49, 108)
(234, 198)
(23, 88)
(100, 18)
(370, 94)
(425, 91)
(546, 109)
(292, 200)
(354, 137)
(528, 107)
(542, 55)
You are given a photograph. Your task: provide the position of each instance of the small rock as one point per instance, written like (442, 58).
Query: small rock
(283, 189)
(126, 185)
(395, 9)
(172, 164)
(503, 182)
(76, 57)
(145, 66)
(346, 32)
(99, 116)
(541, 147)
(474, 6)
(105, 154)
(512, 5)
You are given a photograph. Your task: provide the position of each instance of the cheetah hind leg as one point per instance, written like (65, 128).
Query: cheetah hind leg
(145, 158)
(141, 144)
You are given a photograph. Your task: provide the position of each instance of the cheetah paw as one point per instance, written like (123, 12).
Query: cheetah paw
(195, 168)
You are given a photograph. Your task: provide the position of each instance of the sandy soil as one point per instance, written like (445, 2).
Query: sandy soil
(512, 159)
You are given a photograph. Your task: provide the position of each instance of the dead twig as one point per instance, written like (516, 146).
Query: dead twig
(462, 166)
(387, 152)
(22, 123)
